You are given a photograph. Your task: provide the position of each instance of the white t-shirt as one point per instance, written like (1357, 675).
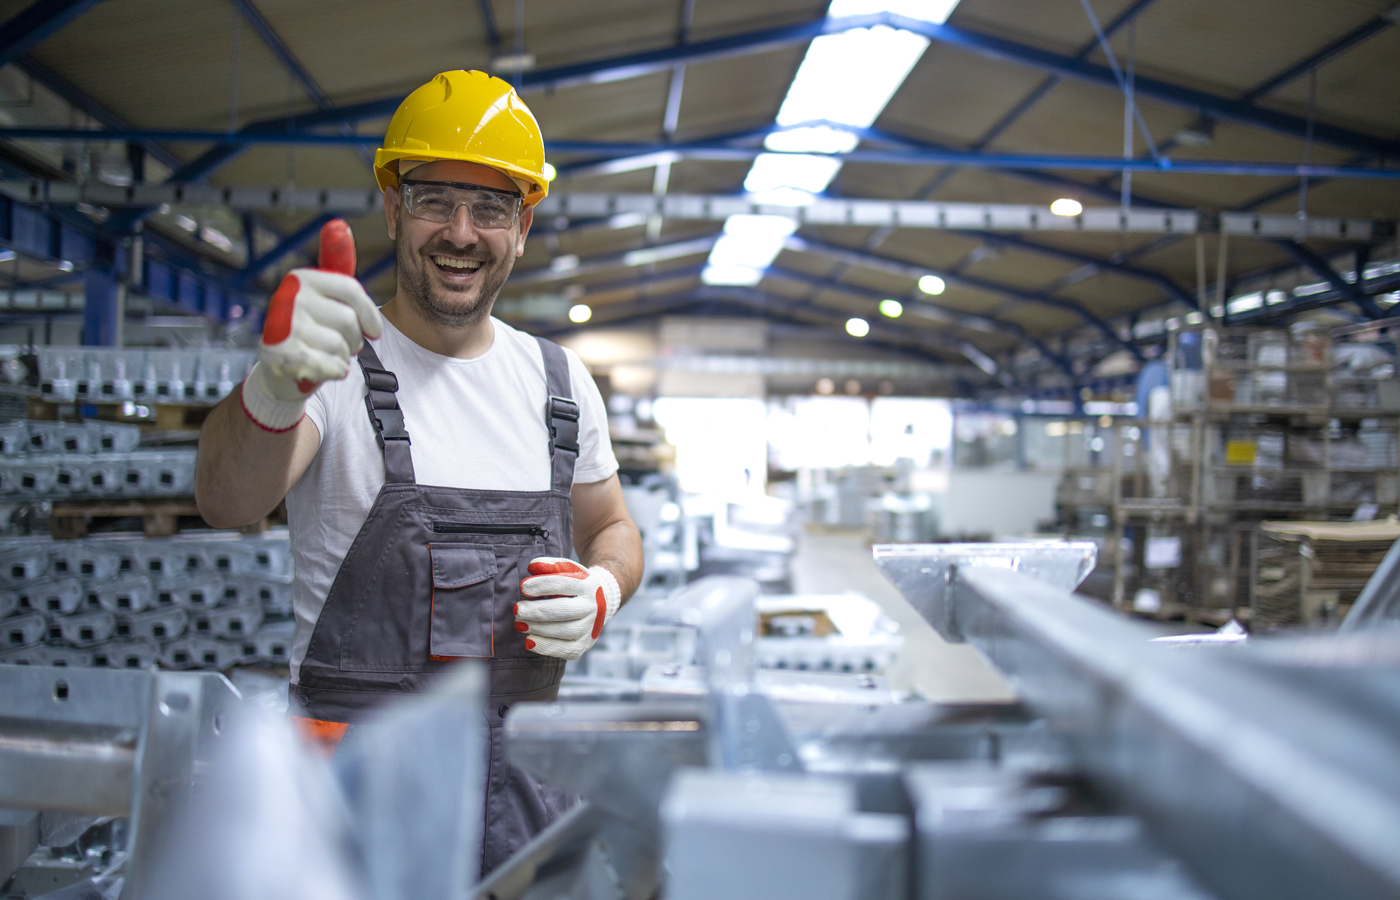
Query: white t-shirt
(472, 423)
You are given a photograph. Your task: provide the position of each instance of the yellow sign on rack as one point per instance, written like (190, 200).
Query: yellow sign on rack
(1240, 453)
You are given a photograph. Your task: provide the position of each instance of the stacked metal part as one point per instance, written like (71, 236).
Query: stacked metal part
(188, 602)
(92, 459)
(156, 375)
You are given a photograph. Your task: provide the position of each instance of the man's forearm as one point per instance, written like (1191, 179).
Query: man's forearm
(243, 471)
(617, 548)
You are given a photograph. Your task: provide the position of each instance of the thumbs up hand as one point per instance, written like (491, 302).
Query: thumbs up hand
(316, 322)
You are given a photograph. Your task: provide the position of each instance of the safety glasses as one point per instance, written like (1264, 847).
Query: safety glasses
(438, 201)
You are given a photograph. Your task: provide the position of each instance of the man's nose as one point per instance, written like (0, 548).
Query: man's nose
(460, 229)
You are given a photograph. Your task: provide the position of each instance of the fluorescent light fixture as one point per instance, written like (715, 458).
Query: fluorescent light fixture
(741, 276)
(791, 170)
(892, 308)
(748, 242)
(1066, 206)
(850, 76)
(627, 220)
(630, 163)
(65, 265)
(857, 327)
(935, 11)
(814, 139)
(784, 196)
(6, 255)
(580, 313)
(932, 284)
(649, 255)
(566, 263)
(549, 172)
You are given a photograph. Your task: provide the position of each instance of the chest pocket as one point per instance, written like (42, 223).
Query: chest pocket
(464, 580)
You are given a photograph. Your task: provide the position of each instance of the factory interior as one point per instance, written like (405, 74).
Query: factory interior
(972, 463)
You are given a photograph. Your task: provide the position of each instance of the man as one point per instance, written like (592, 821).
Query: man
(457, 474)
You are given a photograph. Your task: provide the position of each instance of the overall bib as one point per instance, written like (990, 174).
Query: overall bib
(433, 576)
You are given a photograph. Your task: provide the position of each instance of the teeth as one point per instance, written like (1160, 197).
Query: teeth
(451, 263)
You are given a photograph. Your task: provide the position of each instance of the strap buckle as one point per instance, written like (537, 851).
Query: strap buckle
(380, 379)
(563, 425)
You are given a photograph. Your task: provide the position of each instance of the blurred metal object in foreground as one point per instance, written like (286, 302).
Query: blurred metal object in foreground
(99, 743)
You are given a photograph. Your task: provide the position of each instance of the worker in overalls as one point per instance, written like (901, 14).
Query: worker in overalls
(440, 467)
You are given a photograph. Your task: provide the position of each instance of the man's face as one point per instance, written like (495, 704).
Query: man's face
(431, 255)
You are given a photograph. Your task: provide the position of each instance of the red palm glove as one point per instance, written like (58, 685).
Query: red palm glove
(575, 603)
(317, 320)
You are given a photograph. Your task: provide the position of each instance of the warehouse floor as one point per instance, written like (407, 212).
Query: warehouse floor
(833, 563)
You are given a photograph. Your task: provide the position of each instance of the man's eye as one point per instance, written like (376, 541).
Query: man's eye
(490, 209)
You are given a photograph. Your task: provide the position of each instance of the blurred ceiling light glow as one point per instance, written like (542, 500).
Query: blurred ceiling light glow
(845, 78)
(791, 170)
(1066, 206)
(580, 313)
(627, 220)
(857, 327)
(892, 308)
(748, 245)
(932, 284)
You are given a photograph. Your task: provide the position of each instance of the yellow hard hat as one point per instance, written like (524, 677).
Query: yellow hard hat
(471, 116)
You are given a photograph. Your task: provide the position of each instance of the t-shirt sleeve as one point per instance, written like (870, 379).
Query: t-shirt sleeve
(317, 408)
(595, 453)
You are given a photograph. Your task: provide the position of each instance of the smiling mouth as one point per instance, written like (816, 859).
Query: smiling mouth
(453, 266)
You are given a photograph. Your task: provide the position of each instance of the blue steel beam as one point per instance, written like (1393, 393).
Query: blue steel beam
(741, 301)
(279, 48)
(488, 22)
(1157, 278)
(37, 22)
(284, 246)
(1319, 265)
(1025, 296)
(378, 267)
(227, 144)
(636, 64)
(1035, 96)
(1152, 88)
(1010, 328)
(1331, 50)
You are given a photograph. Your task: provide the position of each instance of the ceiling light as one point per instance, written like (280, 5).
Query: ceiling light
(892, 308)
(932, 284)
(580, 313)
(1066, 207)
(935, 11)
(751, 242)
(792, 170)
(825, 386)
(741, 276)
(648, 255)
(566, 263)
(857, 327)
(849, 77)
(549, 172)
(814, 139)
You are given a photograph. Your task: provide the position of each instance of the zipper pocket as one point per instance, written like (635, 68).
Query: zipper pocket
(480, 528)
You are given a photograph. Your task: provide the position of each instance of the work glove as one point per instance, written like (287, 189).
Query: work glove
(574, 605)
(316, 322)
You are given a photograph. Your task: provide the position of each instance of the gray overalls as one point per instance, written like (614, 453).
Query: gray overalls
(432, 576)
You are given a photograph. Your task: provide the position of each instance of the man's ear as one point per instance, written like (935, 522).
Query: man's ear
(391, 212)
(527, 217)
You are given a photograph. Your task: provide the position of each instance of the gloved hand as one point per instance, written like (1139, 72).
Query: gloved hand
(575, 604)
(315, 323)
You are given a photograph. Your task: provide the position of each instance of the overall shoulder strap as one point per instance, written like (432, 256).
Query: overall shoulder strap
(386, 418)
(561, 415)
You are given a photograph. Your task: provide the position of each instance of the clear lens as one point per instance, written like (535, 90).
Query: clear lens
(439, 203)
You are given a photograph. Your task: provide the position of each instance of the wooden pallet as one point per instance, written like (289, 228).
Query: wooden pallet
(159, 518)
